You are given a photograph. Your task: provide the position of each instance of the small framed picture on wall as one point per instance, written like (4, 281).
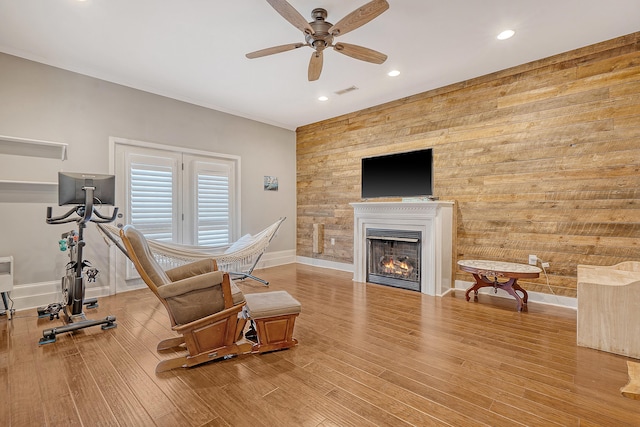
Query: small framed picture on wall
(270, 183)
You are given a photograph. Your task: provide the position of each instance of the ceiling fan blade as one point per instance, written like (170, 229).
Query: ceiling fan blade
(289, 13)
(361, 53)
(274, 49)
(315, 66)
(359, 17)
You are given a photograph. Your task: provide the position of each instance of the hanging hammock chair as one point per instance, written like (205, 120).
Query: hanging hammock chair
(238, 259)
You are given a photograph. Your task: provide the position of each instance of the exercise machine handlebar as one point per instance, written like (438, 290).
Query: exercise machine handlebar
(86, 212)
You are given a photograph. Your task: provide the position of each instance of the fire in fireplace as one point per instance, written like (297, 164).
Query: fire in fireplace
(400, 267)
(393, 258)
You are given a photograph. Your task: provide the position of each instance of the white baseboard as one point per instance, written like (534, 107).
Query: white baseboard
(537, 297)
(273, 259)
(325, 264)
(31, 296)
(36, 295)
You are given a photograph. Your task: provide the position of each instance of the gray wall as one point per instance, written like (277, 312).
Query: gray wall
(42, 102)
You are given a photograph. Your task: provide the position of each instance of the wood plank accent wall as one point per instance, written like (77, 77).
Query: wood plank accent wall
(543, 159)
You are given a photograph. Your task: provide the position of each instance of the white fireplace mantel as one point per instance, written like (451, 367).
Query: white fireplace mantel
(433, 219)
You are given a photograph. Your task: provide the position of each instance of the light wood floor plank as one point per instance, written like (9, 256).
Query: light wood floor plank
(5, 408)
(142, 386)
(57, 400)
(126, 408)
(87, 393)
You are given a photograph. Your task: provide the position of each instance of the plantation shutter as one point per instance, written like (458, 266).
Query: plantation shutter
(154, 199)
(213, 210)
(212, 186)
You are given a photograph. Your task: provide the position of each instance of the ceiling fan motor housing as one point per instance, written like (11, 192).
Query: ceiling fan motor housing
(321, 38)
(319, 14)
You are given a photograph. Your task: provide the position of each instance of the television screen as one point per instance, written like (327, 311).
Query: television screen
(407, 174)
(71, 192)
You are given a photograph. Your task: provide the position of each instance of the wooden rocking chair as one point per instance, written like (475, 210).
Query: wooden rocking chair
(203, 305)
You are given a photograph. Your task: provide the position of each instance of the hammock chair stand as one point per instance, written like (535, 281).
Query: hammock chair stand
(241, 276)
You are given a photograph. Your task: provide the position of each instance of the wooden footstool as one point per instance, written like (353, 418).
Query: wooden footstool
(274, 314)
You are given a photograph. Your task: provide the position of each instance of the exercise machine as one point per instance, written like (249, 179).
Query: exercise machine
(85, 191)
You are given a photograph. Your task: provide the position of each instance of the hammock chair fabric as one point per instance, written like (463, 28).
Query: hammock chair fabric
(238, 259)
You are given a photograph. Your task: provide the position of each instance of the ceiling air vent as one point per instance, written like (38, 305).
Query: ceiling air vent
(347, 90)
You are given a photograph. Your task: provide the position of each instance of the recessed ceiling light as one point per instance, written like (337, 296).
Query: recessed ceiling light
(506, 34)
(393, 73)
(323, 98)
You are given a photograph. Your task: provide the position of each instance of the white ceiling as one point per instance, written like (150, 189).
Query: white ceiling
(193, 50)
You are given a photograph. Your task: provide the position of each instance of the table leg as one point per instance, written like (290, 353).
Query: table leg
(525, 295)
(511, 287)
(481, 282)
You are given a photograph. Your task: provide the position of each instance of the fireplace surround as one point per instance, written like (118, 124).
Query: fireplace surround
(434, 221)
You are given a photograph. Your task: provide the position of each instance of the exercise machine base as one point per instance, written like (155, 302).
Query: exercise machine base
(53, 310)
(49, 335)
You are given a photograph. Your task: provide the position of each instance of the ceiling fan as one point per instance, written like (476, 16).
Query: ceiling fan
(319, 34)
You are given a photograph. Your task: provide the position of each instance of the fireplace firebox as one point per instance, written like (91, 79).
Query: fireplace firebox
(393, 258)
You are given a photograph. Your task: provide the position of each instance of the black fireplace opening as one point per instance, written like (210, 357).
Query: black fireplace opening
(393, 258)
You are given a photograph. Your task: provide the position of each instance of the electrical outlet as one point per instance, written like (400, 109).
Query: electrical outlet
(545, 265)
(333, 241)
(533, 260)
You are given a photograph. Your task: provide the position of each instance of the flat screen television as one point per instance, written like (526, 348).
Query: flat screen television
(71, 188)
(408, 174)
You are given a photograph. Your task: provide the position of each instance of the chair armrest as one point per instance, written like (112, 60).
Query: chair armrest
(192, 269)
(181, 287)
(213, 318)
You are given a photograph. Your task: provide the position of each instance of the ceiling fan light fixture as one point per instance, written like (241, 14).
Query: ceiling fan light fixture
(393, 73)
(506, 34)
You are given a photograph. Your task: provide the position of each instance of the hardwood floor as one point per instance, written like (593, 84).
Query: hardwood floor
(367, 355)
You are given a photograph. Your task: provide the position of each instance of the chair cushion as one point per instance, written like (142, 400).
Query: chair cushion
(236, 294)
(189, 284)
(145, 258)
(191, 269)
(196, 304)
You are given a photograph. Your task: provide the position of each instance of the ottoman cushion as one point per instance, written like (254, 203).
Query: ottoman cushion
(271, 304)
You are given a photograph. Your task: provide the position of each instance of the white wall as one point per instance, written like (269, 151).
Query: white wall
(42, 102)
